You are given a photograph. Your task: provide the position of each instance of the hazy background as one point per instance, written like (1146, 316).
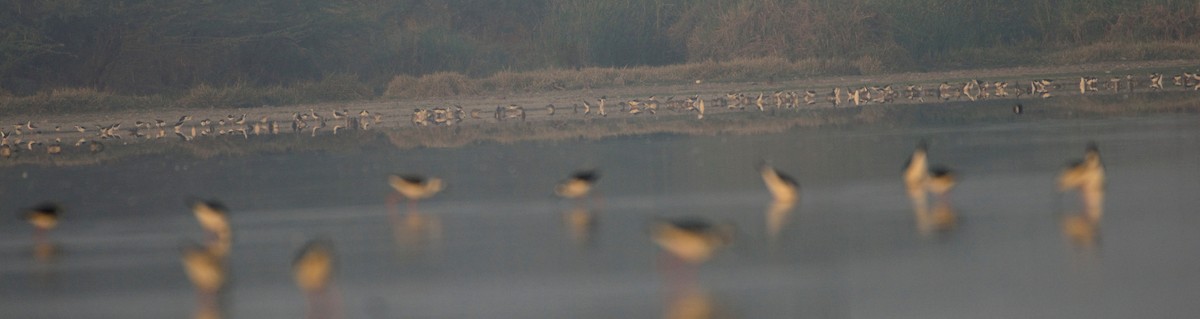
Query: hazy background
(173, 46)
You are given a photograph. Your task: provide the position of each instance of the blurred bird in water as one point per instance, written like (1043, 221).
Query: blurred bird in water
(415, 187)
(1086, 176)
(313, 270)
(213, 217)
(941, 180)
(205, 269)
(578, 185)
(916, 170)
(691, 239)
(313, 266)
(43, 217)
(782, 187)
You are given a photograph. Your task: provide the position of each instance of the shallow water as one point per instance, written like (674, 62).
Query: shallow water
(495, 244)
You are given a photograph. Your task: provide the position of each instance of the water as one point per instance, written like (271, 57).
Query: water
(495, 244)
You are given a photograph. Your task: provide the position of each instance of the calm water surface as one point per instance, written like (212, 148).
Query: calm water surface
(495, 244)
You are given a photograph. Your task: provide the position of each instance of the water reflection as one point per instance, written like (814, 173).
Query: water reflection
(690, 301)
(777, 215)
(580, 223)
(206, 268)
(313, 270)
(414, 231)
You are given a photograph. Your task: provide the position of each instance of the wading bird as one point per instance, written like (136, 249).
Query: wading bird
(415, 187)
(691, 239)
(782, 187)
(578, 185)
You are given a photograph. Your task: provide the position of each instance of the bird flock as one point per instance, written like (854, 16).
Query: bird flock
(970, 90)
(690, 240)
(27, 136)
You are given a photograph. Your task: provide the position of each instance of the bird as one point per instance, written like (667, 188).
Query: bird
(55, 148)
(941, 180)
(550, 109)
(691, 239)
(1018, 109)
(783, 188)
(579, 184)
(204, 268)
(313, 266)
(1086, 174)
(212, 216)
(916, 170)
(415, 187)
(44, 216)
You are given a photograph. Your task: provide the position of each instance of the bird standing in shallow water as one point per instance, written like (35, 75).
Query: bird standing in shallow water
(415, 187)
(43, 217)
(1086, 176)
(941, 180)
(205, 269)
(213, 217)
(916, 171)
(578, 185)
(313, 271)
(782, 187)
(691, 239)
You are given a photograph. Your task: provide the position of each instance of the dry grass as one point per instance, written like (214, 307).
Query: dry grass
(76, 100)
(450, 84)
(336, 87)
(1124, 51)
(433, 85)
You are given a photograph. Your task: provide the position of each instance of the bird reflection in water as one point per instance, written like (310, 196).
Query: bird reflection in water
(580, 224)
(579, 220)
(205, 268)
(785, 192)
(413, 231)
(690, 301)
(921, 180)
(689, 242)
(313, 270)
(1087, 178)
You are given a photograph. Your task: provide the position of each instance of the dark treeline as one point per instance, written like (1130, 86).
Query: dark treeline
(172, 46)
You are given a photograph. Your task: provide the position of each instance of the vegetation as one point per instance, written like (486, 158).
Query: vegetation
(252, 53)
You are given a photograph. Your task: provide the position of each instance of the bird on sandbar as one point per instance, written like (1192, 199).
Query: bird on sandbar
(313, 266)
(415, 187)
(578, 185)
(213, 217)
(783, 188)
(691, 239)
(1085, 175)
